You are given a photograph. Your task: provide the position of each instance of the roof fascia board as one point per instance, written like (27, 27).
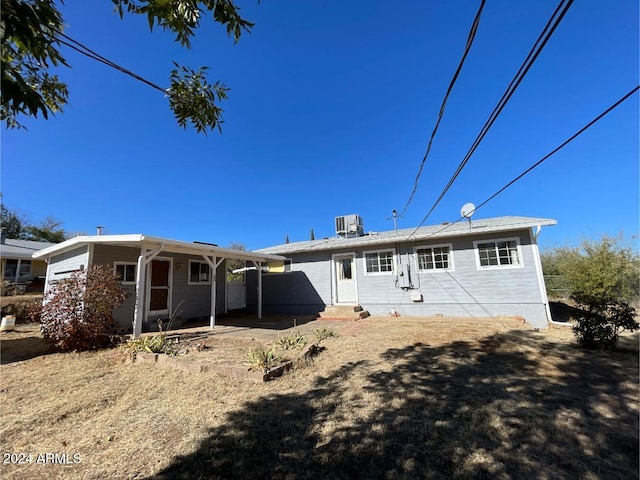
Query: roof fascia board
(442, 234)
(142, 241)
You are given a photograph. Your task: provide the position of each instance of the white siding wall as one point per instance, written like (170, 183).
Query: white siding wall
(63, 265)
(466, 291)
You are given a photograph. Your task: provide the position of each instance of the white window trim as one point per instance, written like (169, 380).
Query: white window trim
(450, 268)
(189, 282)
(393, 263)
(135, 271)
(496, 240)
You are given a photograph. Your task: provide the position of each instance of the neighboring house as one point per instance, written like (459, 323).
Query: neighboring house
(481, 268)
(160, 274)
(17, 263)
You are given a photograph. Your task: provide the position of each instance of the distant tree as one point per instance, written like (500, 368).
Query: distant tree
(235, 264)
(312, 236)
(32, 33)
(286, 238)
(13, 225)
(604, 268)
(48, 231)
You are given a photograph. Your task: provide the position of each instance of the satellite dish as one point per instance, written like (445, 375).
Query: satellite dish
(467, 210)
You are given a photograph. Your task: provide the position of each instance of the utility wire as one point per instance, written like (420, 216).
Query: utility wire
(547, 156)
(559, 147)
(470, 39)
(540, 43)
(84, 50)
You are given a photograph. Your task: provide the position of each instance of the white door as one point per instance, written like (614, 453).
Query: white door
(345, 279)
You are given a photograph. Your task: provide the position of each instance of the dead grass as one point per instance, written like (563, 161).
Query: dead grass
(389, 398)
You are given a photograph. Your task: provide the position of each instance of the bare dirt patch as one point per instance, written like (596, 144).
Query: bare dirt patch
(390, 398)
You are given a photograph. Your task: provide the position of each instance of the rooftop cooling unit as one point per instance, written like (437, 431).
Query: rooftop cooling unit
(349, 226)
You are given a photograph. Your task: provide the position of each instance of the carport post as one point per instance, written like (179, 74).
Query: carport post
(140, 290)
(213, 267)
(141, 274)
(258, 266)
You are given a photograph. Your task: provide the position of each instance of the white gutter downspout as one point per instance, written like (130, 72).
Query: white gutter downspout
(538, 265)
(213, 267)
(141, 274)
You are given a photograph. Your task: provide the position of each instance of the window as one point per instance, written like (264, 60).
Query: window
(25, 268)
(379, 262)
(498, 253)
(198, 272)
(434, 258)
(277, 266)
(10, 268)
(125, 272)
(344, 269)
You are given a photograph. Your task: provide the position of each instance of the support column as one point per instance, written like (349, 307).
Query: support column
(213, 268)
(258, 266)
(138, 311)
(16, 277)
(141, 285)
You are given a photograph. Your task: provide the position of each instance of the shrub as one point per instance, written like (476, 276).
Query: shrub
(7, 288)
(263, 359)
(606, 267)
(154, 344)
(601, 320)
(77, 312)
(24, 310)
(323, 333)
(293, 340)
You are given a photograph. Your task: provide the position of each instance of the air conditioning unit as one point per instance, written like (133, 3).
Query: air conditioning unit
(348, 226)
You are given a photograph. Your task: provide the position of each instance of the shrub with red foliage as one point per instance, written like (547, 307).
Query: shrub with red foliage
(77, 312)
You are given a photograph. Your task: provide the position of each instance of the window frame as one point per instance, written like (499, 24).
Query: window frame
(287, 265)
(495, 241)
(378, 252)
(199, 282)
(451, 264)
(126, 264)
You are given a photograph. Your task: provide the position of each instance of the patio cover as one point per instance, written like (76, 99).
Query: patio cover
(151, 247)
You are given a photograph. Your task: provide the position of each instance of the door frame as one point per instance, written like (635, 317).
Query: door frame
(335, 299)
(148, 288)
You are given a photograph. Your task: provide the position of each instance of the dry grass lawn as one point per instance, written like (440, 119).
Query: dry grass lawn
(390, 398)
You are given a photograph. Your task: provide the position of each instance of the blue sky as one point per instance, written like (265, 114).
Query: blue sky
(330, 111)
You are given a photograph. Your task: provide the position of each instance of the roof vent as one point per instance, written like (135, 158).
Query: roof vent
(349, 226)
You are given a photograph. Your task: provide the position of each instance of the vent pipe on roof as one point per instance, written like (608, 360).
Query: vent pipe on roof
(99, 230)
(3, 236)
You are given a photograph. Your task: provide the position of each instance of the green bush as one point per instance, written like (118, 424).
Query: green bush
(601, 320)
(153, 344)
(261, 358)
(606, 268)
(293, 340)
(323, 333)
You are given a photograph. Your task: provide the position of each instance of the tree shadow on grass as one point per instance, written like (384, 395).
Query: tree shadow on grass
(510, 406)
(22, 348)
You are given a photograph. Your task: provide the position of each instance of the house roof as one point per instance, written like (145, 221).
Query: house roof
(152, 243)
(23, 249)
(442, 231)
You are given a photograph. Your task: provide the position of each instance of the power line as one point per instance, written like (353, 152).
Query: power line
(84, 50)
(546, 157)
(559, 147)
(470, 38)
(537, 48)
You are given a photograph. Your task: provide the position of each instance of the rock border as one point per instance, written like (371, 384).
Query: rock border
(234, 371)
